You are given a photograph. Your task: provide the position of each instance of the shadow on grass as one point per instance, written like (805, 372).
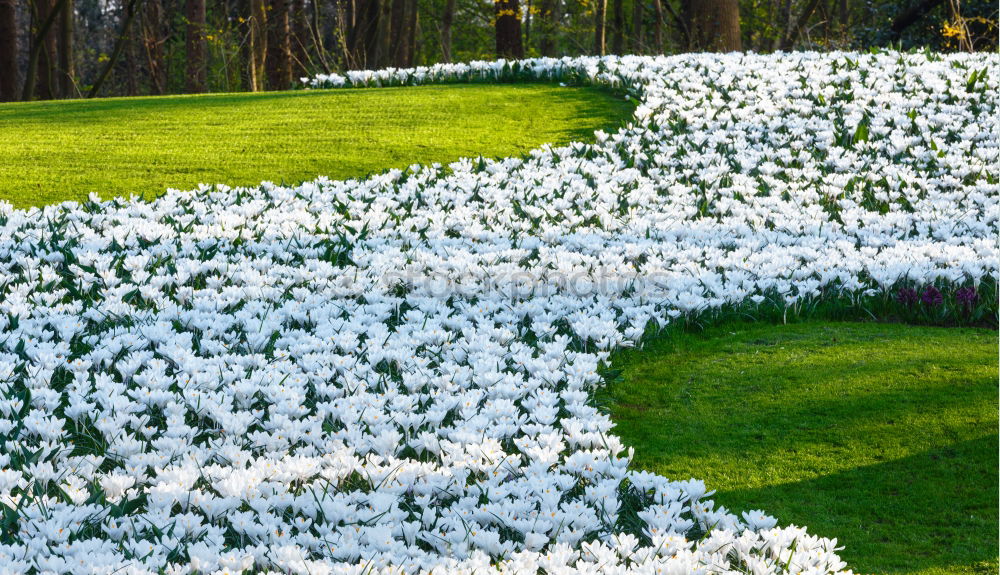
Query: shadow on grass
(881, 436)
(907, 502)
(788, 413)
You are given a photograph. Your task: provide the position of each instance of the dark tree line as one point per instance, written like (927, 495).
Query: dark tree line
(85, 48)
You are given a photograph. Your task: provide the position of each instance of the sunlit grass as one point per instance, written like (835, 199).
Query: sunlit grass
(54, 151)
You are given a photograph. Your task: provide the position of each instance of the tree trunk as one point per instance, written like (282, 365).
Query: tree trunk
(39, 31)
(526, 25)
(508, 29)
(47, 88)
(658, 25)
(618, 36)
(546, 27)
(279, 47)
(446, 21)
(67, 66)
(369, 21)
(153, 39)
(257, 40)
(9, 84)
(352, 16)
(600, 7)
(411, 32)
(397, 33)
(384, 47)
(300, 39)
(247, 72)
(637, 13)
(713, 24)
(195, 45)
(131, 61)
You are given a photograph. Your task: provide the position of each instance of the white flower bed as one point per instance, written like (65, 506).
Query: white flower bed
(393, 374)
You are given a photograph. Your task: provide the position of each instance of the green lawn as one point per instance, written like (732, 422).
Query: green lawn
(54, 151)
(881, 435)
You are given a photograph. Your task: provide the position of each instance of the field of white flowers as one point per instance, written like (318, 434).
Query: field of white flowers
(393, 374)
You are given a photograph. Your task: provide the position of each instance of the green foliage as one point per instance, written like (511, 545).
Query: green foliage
(882, 435)
(864, 24)
(55, 151)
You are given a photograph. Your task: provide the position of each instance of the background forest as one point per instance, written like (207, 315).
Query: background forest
(84, 48)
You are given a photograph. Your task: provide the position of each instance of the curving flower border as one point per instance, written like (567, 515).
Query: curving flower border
(393, 374)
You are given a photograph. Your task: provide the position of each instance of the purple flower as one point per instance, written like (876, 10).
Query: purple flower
(932, 296)
(966, 296)
(907, 296)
